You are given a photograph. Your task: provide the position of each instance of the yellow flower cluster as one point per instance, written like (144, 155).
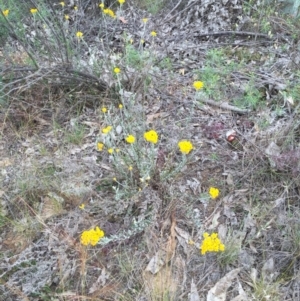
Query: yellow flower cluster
(198, 85)
(153, 33)
(185, 146)
(33, 10)
(79, 35)
(109, 12)
(5, 12)
(211, 243)
(130, 139)
(151, 136)
(62, 3)
(121, 1)
(214, 192)
(100, 146)
(107, 129)
(104, 109)
(117, 70)
(91, 237)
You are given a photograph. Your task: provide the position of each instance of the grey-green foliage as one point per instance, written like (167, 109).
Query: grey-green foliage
(290, 7)
(215, 73)
(3, 32)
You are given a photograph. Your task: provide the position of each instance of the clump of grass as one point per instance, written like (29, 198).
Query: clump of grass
(152, 7)
(230, 254)
(264, 290)
(76, 134)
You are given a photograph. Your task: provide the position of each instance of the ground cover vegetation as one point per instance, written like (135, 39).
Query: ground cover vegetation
(149, 150)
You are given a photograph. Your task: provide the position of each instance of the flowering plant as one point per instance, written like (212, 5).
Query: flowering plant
(211, 243)
(214, 192)
(198, 85)
(185, 146)
(151, 136)
(130, 139)
(91, 237)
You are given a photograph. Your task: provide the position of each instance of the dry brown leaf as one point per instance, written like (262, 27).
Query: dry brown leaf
(214, 222)
(184, 239)
(104, 166)
(166, 253)
(267, 271)
(5, 162)
(156, 263)
(151, 117)
(171, 244)
(91, 124)
(122, 19)
(100, 282)
(218, 292)
(194, 296)
(242, 295)
(273, 150)
(183, 234)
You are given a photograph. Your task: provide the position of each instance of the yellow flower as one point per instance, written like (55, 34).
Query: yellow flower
(142, 41)
(109, 12)
(104, 110)
(214, 192)
(151, 136)
(81, 206)
(130, 139)
(100, 146)
(153, 33)
(33, 10)
(79, 35)
(117, 150)
(101, 5)
(131, 41)
(62, 3)
(211, 243)
(75, 7)
(120, 106)
(5, 12)
(198, 85)
(115, 179)
(145, 20)
(107, 129)
(117, 70)
(110, 150)
(121, 1)
(91, 237)
(185, 146)
(130, 167)
(67, 17)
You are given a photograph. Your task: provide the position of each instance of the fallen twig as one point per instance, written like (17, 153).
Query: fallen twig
(224, 105)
